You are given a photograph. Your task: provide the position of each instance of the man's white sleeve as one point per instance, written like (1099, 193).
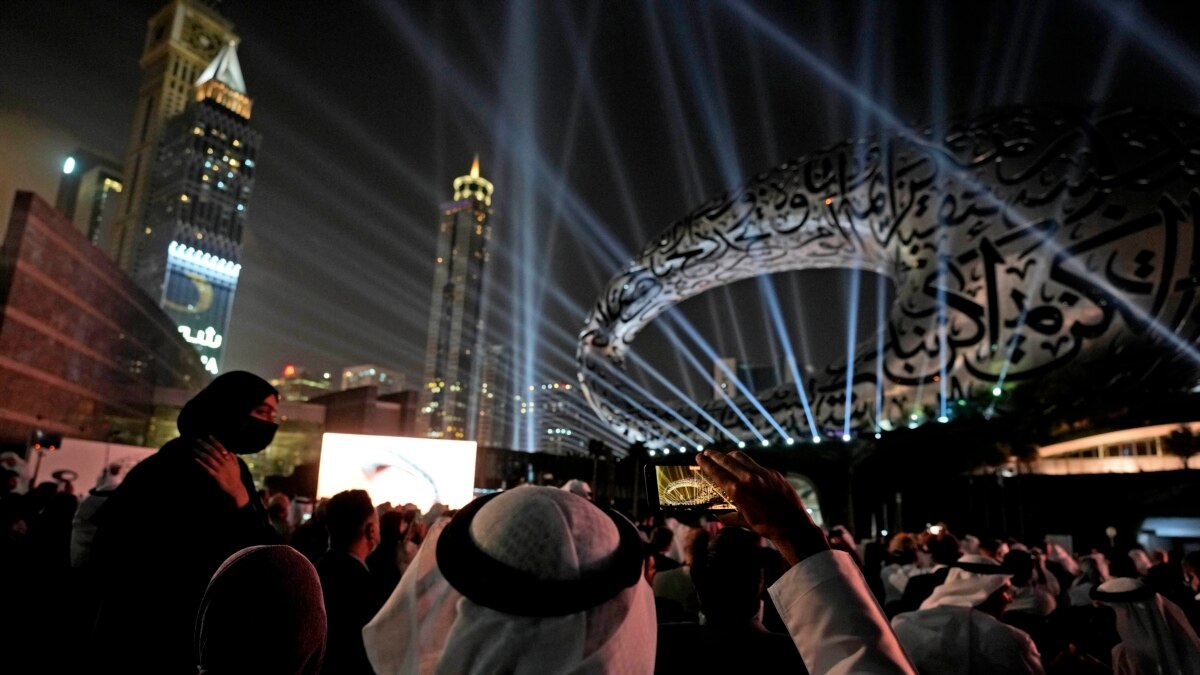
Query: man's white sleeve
(834, 619)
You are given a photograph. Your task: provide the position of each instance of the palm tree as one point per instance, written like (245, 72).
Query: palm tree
(1183, 443)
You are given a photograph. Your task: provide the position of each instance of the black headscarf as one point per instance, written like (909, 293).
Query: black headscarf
(222, 409)
(262, 613)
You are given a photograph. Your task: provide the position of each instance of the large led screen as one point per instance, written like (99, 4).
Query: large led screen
(399, 470)
(88, 460)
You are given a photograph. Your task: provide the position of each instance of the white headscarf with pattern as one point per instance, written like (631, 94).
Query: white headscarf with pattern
(429, 626)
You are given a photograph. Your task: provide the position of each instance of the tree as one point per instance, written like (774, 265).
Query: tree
(1183, 443)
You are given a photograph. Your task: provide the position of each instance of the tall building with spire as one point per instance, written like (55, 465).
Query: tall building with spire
(182, 39)
(187, 254)
(450, 396)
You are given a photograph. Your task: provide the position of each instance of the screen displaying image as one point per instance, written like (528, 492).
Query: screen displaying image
(90, 462)
(419, 471)
(686, 486)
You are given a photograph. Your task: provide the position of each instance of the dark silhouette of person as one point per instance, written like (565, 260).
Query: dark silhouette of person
(729, 583)
(945, 551)
(661, 539)
(311, 537)
(387, 561)
(175, 518)
(351, 598)
(262, 613)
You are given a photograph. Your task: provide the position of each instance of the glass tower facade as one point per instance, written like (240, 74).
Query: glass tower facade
(450, 395)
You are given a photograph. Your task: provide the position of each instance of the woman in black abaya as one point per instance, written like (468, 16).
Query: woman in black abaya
(176, 517)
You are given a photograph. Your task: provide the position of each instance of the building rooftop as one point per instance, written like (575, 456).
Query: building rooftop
(225, 69)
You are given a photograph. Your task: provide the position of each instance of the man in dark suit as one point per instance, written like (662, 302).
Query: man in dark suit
(350, 597)
(944, 551)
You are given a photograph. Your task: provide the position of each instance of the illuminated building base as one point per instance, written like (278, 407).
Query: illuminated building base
(198, 295)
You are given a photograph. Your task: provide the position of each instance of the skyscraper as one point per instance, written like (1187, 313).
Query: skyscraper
(182, 39)
(88, 193)
(188, 251)
(450, 396)
(494, 426)
(388, 381)
(557, 419)
(297, 385)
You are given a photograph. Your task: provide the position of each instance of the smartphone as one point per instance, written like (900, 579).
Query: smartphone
(683, 487)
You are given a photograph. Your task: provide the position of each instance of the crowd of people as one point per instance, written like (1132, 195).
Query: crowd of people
(183, 566)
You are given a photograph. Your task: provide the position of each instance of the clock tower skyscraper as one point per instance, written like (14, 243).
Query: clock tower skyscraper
(183, 38)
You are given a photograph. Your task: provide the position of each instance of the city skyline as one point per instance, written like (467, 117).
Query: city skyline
(602, 126)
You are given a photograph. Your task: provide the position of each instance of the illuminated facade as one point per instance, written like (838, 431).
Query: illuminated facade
(558, 407)
(187, 254)
(450, 395)
(82, 349)
(1126, 451)
(88, 194)
(386, 380)
(296, 384)
(182, 39)
(494, 426)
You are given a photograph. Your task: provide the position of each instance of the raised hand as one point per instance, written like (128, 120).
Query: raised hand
(766, 502)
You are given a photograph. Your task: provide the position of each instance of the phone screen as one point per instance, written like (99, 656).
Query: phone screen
(685, 487)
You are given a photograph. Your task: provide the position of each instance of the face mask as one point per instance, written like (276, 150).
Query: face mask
(254, 435)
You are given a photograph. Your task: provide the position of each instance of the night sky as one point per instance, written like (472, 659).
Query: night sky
(599, 123)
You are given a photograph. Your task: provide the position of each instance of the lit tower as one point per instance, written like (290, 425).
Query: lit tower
(187, 254)
(450, 393)
(181, 39)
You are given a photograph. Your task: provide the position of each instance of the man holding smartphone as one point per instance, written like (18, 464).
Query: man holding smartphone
(823, 599)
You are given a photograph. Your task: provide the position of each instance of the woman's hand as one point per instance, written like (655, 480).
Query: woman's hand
(223, 466)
